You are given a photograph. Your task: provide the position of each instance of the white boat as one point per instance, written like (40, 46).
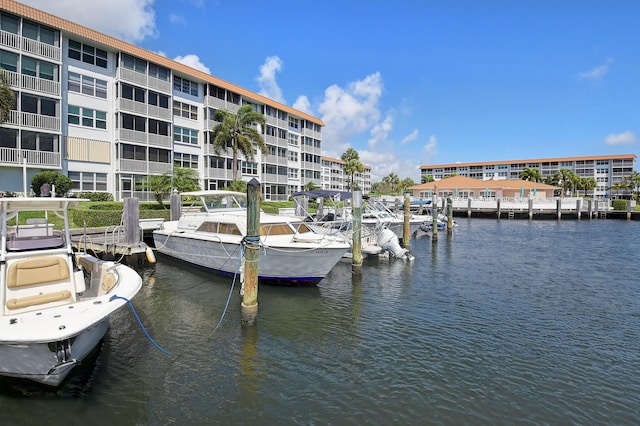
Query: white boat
(55, 304)
(214, 236)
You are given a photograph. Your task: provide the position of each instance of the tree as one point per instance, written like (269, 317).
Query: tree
(588, 184)
(633, 183)
(565, 179)
(61, 183)
(426, 179)
(405, 184)
(7, 99)
(236, 132)
(352, 165)
(182, 179)
(310, 186)
(392, 182)
(238, 186)
(532, 175)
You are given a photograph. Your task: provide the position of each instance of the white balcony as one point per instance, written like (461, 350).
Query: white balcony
(15, 156)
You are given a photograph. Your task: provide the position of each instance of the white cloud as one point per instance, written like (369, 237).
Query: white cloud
(175, 18)
(410, 137)
(625, 138)
(192, 61)
(350, 111)
(267, 79)
(303, 104)
(380, 131)
(430, 149)
(130, 20)
(596, 73)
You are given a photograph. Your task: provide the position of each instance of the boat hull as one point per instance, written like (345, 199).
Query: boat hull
(277, 264)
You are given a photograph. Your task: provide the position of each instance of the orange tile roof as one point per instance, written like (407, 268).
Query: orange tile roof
(339, 161)
(537, 160)
(463, 182)
(79, 30)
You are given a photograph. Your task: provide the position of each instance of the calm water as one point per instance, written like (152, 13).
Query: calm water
(505, 322)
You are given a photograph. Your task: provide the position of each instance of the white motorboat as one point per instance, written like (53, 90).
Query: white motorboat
(55, 304)
(214, 237)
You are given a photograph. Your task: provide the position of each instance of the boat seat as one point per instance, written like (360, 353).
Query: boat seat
(37, 270)
(38, 299)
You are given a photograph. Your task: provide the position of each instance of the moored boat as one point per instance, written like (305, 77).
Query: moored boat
(214, 237)
(56, 303)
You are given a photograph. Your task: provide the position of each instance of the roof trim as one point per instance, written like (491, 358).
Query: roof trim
(535, 160)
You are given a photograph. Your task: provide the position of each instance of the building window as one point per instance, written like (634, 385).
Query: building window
(39, 33)
(159, 72)
(133, 152)
(293, 155)
(39, 141)
(87, 85)
(40, 69)
(249, 168)
(88, 181)
(9, 23)
(185, 160)
(182, 109)
(184, 135)
(293, 173)
(158, 99)
(157, 155)
(158, 127)
(37, 105)
(87, 117)
(8, 61)
(87, 54)
(185, 86)
(133, 122)
(133, 63)
(293, 139)
(294, 123)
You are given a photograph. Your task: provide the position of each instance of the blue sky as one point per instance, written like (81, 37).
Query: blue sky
(411, 83)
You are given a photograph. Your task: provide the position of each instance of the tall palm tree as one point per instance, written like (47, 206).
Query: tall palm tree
(564, 177)
(236, 132)
(352, 165)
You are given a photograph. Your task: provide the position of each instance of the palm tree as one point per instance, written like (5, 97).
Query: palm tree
(633, 182)
(182, 179)
(588, 184)
(352, 165)
(532, 175)
(7, 98)
(236, 132)
(426, 179)
(564, 177)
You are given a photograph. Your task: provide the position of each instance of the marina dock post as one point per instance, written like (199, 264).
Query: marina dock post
(530, 208)
(356, 244)
(131, 221)
(498, 207)
(579, 208)
(468, 207)
(406, 230)
(590, 208)
(449, 215)
(628, 209)
(249, 305)
(559, 208)
(175, 206)
(434, 219)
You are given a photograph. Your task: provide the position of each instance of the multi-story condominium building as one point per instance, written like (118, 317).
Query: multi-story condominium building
(606, 170)
(334, 177)
(107, 114)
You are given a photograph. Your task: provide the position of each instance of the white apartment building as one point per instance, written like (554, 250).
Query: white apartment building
(107, 113)
(334, 177)
(606, 170)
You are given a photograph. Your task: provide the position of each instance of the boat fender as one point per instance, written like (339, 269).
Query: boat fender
(150, 256)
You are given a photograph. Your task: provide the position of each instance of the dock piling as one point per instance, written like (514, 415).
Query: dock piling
(406, 230)
(449, 216)
(249, 306)
(356, 244)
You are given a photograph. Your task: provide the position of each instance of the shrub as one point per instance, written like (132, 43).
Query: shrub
(619, 204)
(95, 196)
(61, 182)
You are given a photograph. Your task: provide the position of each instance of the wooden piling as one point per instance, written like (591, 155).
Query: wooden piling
(131, 221)
(249, 306)
(449, 216)
(175, 207)
(468, 207)
(530, 208)
(406, 230)
(559, 208)
(590, 208)
(628, 209)
(579, 208)
(498, 207)
(434, 219)
(356, 244)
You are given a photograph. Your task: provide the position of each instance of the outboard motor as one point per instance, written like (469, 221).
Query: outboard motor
(388, 240)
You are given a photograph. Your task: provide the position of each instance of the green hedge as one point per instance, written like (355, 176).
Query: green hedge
(101, 214)
(619, 204)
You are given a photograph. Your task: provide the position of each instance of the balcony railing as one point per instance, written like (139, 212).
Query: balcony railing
(16, 156)
(35, 121)
(160, 140)
(33, 47)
